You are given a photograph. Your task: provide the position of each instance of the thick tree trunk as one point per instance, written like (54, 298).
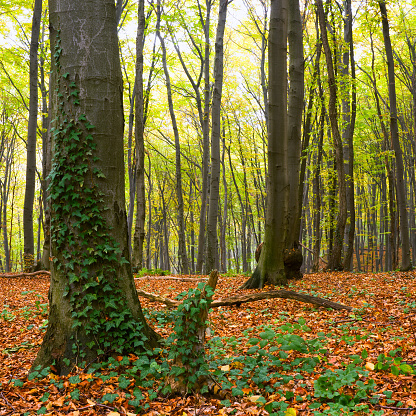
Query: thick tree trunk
(29, 247)
(271, 268)
(94, 308)
(295, 110)
(212, 234)
(406, 263)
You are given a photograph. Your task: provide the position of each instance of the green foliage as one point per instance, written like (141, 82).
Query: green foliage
(394, 364)
(152, 272)
(6, 314)
(84, 250)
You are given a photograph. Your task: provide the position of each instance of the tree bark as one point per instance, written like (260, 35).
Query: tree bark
(271, 268)
(205, 144)
(29, 248)
(295, 110)
(349, 109)
(335, 259)
(293, 252)
(92, 286)
(139, 232)
(46, 160)
(212, 234)
(183, 257)
(406, 263)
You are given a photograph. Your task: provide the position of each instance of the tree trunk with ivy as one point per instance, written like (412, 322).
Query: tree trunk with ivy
(94, 308)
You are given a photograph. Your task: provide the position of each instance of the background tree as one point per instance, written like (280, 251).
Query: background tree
(212, 232)
(29, 246)
(406, 263)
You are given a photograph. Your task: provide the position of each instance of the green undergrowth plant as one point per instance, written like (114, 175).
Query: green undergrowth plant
(395, 365)
(264, 362)
(152, 272)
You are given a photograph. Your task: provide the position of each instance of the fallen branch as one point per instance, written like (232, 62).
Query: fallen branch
(156, 298)
(179, 279)
(25, 274)
(283, 294)
(253, 297)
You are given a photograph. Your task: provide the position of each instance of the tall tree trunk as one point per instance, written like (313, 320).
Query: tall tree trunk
(46, 160)
(295, 109)
(183, 257)
(335, 259)
(270, 268)
(205, 145)
(94, 306)
(406, 263)
(29, 247)
(212, 234)
(293, 254)
(139, 232)
(349, 114)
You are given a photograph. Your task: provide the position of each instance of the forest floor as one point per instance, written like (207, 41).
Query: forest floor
(364, 358)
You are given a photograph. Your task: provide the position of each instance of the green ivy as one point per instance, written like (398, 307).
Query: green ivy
(88, 255)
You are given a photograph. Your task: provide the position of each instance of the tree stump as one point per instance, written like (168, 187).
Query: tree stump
(194, 336)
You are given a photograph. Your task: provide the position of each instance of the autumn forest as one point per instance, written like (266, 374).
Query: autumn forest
(163, 163)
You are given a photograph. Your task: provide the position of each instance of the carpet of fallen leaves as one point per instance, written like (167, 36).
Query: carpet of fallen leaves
(387, 302)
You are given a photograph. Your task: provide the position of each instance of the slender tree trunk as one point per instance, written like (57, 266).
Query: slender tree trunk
(46, 160)
(205, 145)
(335, 259)
(349, 114)
(29, 247)
(406, 263)
(139, 232)
(183, 257)
(212, 234)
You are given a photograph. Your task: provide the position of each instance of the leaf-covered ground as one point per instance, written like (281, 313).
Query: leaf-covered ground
(370, 351)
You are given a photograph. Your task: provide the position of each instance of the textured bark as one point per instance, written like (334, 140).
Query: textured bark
(139, 232)
(270, 268)
(406, 263)
(93, 63)
(29, 248)
(212, 234)
(335, 260)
